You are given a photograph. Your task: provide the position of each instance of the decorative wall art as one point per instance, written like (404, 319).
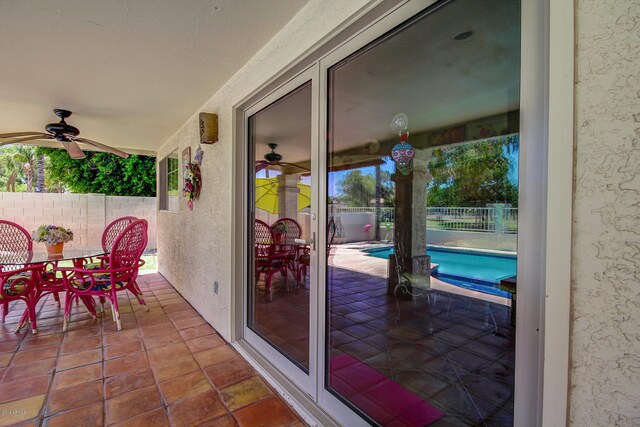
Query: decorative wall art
(208, 128)
(192, 183)
(403, 152)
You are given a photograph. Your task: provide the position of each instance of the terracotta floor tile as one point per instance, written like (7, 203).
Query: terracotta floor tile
(122, 349)
(21, 389)
(149, 331)
(87, 416)
(9, 337)
(28, 356)
(82, 333)
(126, 364)
(81, 345)
(20, 410)
(130, 404)
(9, 346)
(153, 319)
(74, 397)
(169, 352)
(33, 369)
(120, 384)
(215, 355)
(189, 322)
(75, 360)
(175, 307)
(121, 337)
(184, 386)
(204, 343)
(182, 314)
(5, 359)
(229, 372)
(196, 332)
(155, 418)
(268, 412)
(37, 341)
(174, 368)
(224, 421)
(162, 340)
(77, 376)
(197, 410)
(244, 393)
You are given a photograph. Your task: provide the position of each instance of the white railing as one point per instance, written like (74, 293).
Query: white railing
(487, 219)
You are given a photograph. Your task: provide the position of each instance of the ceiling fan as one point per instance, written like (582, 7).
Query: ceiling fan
(274, 159)
(62, 132)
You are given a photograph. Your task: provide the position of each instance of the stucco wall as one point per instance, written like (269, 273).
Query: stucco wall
(605, 370)
(194, 247)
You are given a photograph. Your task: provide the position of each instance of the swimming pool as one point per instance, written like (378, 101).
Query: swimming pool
(467, 269)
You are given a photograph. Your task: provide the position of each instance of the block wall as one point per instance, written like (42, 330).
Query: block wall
(86, 215)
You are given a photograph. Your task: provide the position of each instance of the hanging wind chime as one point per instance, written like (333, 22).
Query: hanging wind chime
(402, 153)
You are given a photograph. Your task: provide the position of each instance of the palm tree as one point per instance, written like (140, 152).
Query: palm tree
(20, 159)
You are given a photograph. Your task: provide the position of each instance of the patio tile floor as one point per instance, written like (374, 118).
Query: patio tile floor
(166, 367)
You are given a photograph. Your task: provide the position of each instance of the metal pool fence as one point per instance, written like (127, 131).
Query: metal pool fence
(498, 219)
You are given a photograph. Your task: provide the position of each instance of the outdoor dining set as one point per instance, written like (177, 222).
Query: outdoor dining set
(29, 274)
(279, 248)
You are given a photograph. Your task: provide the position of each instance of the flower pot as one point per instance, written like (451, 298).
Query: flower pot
(55, 249)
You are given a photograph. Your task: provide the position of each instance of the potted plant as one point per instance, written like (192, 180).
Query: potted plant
(53, 236)
(279, 229)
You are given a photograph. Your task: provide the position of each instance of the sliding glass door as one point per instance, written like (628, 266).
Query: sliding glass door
(422, 175)
(383, 220)
(280, 245)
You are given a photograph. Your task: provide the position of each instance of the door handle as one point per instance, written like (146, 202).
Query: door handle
(311, 241)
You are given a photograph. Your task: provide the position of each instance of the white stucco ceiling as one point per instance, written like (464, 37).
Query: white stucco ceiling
(132, 71)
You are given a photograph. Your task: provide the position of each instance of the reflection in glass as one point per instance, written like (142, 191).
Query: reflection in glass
(280, 137)
(421, 271)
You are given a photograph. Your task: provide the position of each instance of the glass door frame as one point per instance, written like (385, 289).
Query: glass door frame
(306, 382)
(534, 176)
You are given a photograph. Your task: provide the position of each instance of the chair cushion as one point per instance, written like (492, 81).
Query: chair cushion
(19, 282)
(92, 266)
(98, 285)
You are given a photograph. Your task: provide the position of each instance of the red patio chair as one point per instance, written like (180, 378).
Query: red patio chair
(285, 232)
(109, 235)
(13, 239)
(267, 261)
(119, 275)
(18, 285)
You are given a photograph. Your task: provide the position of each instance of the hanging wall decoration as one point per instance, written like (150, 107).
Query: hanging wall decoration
(192, 183)
(402, 153)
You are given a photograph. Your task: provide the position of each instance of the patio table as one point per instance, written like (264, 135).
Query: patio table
(41, 257)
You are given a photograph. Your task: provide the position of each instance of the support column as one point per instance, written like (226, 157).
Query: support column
(288, 196)
(410, 235)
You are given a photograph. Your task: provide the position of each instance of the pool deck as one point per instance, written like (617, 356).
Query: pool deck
(350, 256)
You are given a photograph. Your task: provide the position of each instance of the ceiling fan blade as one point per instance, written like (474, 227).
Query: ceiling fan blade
(261, 164)
(26, 138)
(103, 147)
(16, 134)
(74, 150)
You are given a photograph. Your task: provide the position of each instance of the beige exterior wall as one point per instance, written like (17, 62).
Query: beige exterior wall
(86, 215)
(195, 246)
(605, 340)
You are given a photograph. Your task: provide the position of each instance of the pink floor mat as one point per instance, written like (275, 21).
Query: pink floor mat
(384, 400)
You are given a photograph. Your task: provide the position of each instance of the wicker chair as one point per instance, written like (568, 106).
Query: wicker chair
(118, 275)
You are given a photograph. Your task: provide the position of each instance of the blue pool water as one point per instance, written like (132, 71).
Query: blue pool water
(471, 270)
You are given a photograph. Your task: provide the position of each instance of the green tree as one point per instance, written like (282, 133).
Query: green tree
(473, 174)
(357, 189)
(19, 165)
(103, 173)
